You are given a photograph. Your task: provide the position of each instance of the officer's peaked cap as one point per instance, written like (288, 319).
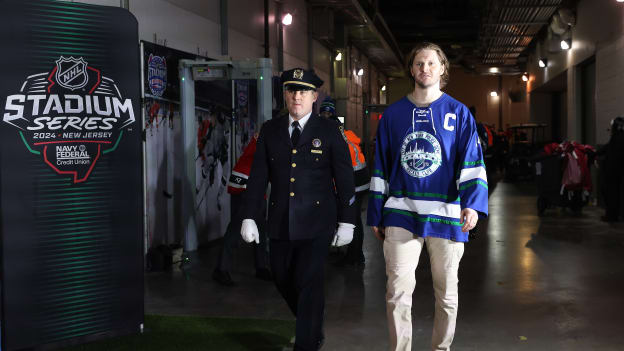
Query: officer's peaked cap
(300, 79)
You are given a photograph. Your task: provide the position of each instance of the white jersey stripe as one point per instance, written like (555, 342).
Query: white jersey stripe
(362, 187)
(424, 207)
(472, 173)
(238, 186)
(379, 185)
(244, 176)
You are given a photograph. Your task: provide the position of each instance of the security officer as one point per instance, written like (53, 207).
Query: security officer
(307, 162)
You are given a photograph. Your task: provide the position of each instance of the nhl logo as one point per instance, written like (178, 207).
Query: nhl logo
(298, 74)
(71, 73)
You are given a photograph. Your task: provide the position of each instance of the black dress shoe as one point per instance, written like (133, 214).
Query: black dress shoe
(264, 274)
(223, 278)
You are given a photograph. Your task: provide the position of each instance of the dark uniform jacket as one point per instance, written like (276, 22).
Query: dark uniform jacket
(304, 203)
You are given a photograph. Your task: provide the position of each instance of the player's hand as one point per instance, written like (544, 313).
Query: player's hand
(379, 232)
(468, 219)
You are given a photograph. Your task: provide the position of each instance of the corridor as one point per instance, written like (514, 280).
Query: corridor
(526, 283)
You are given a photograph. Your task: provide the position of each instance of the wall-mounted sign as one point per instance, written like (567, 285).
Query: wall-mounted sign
(157, 74)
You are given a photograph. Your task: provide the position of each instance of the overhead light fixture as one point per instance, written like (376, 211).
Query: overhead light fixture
(619, 0)
(287, 19)
(525, 77)
(493, 93)
(383, 88)
(339, 56)
(566, 44)
(542, 62)
(361, 72)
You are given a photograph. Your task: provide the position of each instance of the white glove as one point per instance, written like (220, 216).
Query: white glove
(249, 231)
(344, 234)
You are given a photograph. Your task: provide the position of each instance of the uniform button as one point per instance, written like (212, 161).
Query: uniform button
(292, 180)
(294, 164)
(292, 194)
(294, 151)
(318, 202)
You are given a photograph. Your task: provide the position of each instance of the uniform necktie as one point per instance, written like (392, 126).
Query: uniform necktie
(294, 137)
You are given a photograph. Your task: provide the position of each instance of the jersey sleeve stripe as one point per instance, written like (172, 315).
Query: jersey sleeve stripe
(379, 185)
(473, 183)
(472, 173)
(475, 163)
(238, 174)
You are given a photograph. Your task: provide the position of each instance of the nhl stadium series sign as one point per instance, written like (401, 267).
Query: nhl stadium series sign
(71, 116)
(71, 174)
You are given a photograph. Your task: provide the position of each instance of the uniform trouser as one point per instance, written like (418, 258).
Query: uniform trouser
(402, 251)
(354, 252)
(232, 236)
(298, 268)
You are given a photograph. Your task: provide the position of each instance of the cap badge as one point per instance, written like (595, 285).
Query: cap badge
(298, 74)
(316, 142)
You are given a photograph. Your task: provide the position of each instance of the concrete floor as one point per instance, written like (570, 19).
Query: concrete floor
(526, 283)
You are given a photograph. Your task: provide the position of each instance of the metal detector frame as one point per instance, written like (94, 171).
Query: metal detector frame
(190, 71)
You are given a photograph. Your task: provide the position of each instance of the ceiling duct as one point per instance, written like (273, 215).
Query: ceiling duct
(509, 27)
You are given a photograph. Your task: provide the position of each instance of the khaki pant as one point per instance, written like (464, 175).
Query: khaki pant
(402, 251)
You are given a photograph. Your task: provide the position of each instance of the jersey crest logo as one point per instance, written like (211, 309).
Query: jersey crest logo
(421, 154)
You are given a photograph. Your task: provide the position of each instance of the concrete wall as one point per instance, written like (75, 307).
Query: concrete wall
(597, 33)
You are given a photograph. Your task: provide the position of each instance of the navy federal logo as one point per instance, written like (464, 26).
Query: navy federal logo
(71, 116)
(421, 154)
(71, 73)
(298, 74)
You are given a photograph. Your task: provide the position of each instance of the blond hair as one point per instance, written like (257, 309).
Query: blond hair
(441, 56)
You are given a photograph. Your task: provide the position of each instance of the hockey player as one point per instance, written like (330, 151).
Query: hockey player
(429, 185)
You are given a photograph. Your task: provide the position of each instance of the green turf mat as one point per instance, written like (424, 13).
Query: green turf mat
(178, 333)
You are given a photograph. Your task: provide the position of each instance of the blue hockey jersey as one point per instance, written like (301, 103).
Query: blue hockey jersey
(428, 167)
